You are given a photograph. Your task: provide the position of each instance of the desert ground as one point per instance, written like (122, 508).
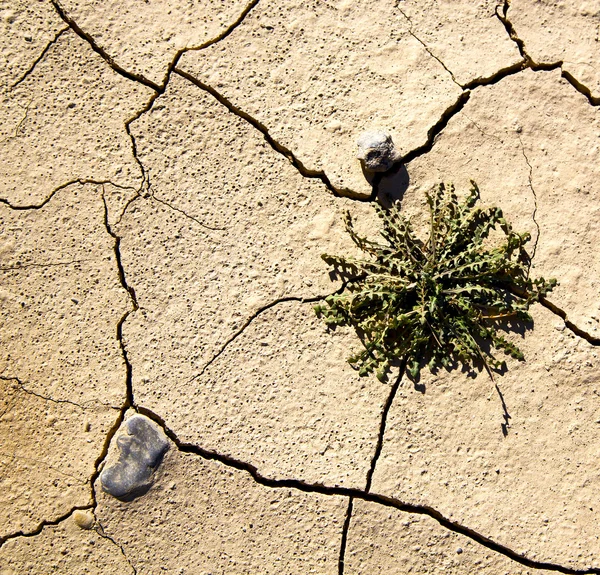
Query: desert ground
(171, 173)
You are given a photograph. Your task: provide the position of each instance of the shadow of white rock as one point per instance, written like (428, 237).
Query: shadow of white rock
(142, 448)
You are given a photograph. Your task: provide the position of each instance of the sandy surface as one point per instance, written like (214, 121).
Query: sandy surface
(171, 174)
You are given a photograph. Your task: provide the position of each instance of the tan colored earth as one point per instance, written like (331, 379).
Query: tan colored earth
(172, 172)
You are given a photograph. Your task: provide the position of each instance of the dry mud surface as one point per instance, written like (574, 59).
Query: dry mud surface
(171, 173)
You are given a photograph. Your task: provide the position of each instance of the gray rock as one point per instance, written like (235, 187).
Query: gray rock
(376, 151)
(141, 448)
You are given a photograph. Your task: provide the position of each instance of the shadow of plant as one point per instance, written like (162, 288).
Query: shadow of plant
(443, 302)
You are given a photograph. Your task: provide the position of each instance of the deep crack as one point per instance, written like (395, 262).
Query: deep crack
(158, 89)
(383, 424)
(134, 303)
(208, 43)
(374, 459)
(278, 147)
(497, 76)
(99, 50)
(344, 540)
(592, 340)
(529, 62)
(129, 398)
(510, 29)
(436, 129)
(363, 495)
(593, 100)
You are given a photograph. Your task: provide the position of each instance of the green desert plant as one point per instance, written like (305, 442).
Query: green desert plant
(438, 301)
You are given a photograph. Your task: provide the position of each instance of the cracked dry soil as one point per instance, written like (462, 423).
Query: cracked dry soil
(172, 172)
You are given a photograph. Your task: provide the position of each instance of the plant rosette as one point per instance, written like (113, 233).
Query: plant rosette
(440, 301)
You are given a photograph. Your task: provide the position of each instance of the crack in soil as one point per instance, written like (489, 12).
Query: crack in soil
(362, 495)
(129, 399)
(183, 213)
(593, 100)
(43, 524)
(383, 424)
(80, 181)
(371, 471)
(81, 481)
(134, 304)
(23, 77)
(99, 50)
(158, 89)
(208, 43)
(427, 49)
(432, 133)
(102, 533)
(535, 204)
(47, 398)
(279, 148)
(529, 62)
(145, 180)
(592, 340)
(36, 265)
(344, 541)
(510, 29)
(250, 319)
(496, 76)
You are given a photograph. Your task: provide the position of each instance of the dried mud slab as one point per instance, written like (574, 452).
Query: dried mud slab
(65, 548)
(283, 398)
(229, 228)
(47, 456)
(531, 143)
(27, 29)
(317, 74)
(466, 36)
(62, 300)
(386, 541)
(203, 517)
(533, 490)
(66, 121)
(198, 287)
(144, 37)
(565, 32)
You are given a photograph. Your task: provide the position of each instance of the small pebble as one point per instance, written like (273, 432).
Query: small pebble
(459, 550)
(141, 448)
(83, 519)
(376, 151)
